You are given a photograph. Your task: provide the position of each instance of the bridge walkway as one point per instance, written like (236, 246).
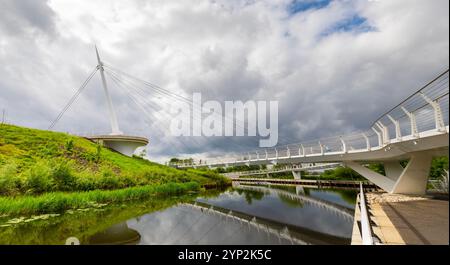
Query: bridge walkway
(407, 220)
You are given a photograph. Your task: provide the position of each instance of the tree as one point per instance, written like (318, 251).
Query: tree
(439, 165)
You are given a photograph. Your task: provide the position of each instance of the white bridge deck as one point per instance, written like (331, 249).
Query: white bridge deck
(416, 130)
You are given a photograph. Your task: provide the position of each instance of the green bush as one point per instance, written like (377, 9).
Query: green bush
(340, 173)
(149, 176)
(98, 152)
(9, 181)
(130, 181)
(108, 180)
(62, 176)
(91, 157)
(38, 179)
(69, 146)
(439, 165)
(377, 167)
(86, 181)
(347, 173)
(50, 149)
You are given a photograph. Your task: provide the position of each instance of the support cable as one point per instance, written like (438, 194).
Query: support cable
(74, 97)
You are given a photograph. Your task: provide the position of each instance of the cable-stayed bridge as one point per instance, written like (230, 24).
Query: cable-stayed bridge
(415, 130)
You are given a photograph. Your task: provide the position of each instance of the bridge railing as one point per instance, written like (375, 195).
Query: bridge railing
(366, 230)
(426, 110)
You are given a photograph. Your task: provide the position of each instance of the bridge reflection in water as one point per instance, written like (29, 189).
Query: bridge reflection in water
(118, 234)
(249, 215)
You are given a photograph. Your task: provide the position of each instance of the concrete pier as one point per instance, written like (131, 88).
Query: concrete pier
(124, 144)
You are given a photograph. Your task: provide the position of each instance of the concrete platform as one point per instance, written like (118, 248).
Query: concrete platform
(124, 144)
(407, 220)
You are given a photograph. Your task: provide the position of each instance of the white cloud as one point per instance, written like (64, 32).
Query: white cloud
(325, 84)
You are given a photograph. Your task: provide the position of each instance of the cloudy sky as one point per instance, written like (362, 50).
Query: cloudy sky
(333, 66)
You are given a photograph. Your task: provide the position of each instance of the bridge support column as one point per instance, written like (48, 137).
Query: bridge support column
(409, 180)
(297, 174)
(393, 169)
(414, 178)
(299, 190)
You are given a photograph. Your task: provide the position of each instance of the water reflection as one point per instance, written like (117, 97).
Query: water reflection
(244, 214)
(253, 215)
(85, 224)
(200, 225)
(118, 234)
(323, 211)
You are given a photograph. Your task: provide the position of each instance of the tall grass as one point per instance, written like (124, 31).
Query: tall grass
(63, 175)
(9, 180)
(54, 202)
(47, 161)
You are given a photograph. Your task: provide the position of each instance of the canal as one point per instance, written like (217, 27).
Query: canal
(242, 214)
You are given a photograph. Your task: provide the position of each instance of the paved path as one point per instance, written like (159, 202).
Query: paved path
(416, 221)
(420, 222)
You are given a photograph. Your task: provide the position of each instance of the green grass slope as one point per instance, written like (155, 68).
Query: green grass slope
(35, 162)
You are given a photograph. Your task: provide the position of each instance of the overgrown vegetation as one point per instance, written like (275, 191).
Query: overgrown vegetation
(56, 202)
(35, 162)
(239, 168)
(441, 184)
(340, 173)
(83, 223)
(439, 167)
(175, 161)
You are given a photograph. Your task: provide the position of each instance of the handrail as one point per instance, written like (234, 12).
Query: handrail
(423, 111)
(366, 231)
(408, 98)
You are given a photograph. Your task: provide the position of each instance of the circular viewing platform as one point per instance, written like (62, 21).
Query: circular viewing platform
(124, 144)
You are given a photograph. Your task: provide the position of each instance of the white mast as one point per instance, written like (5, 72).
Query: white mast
(112, 114)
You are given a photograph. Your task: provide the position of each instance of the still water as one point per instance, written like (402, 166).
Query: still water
(243, 214)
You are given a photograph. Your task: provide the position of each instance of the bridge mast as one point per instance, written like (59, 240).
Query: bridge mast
(112, 114)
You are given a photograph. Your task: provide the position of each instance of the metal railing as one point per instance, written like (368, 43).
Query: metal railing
(366, 230)
(283, 169)
(425, 110)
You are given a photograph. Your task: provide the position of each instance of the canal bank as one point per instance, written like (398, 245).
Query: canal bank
(404, 220)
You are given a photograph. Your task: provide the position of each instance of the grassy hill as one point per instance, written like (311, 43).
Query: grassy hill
(36, 162)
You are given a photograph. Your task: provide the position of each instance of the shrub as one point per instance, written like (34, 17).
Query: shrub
(62, 176)
(442, 183)
(69, 146)
(38, 178)
(130, 181)
(98, 152)
(439, 166)
(346, 173)
(9, 181)
(108, 179)
(50, 149)
(86, 181)
(340, 173)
